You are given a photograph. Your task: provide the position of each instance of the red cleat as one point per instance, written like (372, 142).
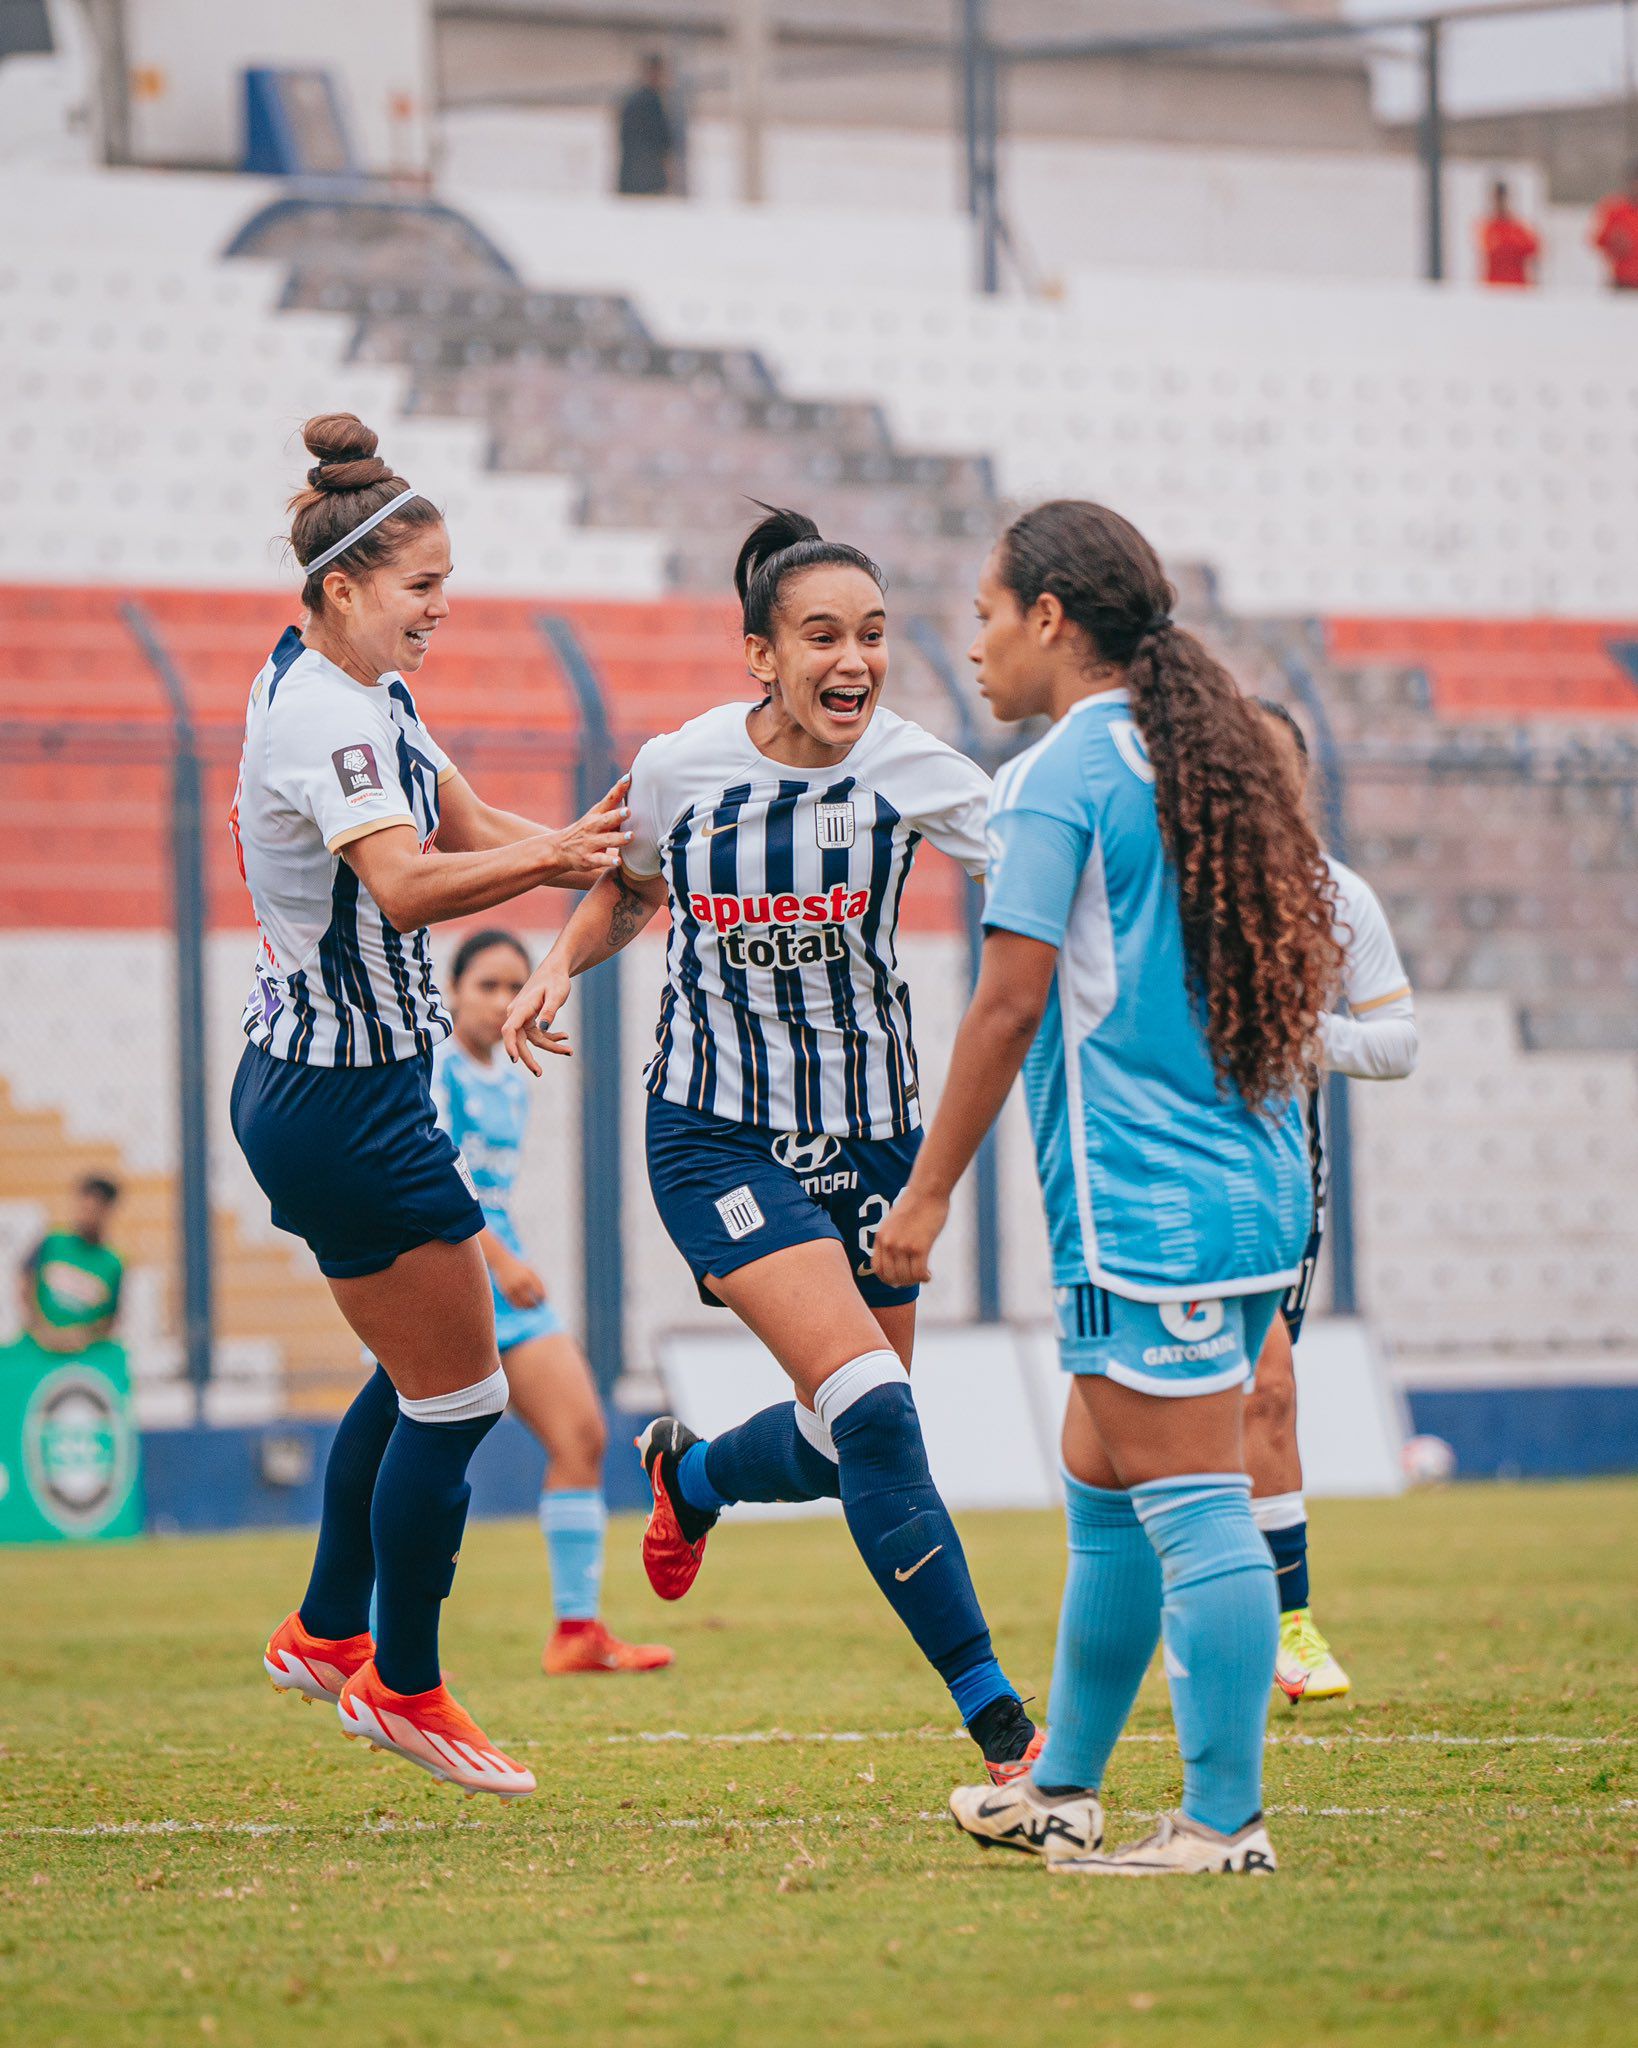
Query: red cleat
(313, 1667)
(588, 1646)
(1009, 1774)
(670, 1557)
(431, 1729)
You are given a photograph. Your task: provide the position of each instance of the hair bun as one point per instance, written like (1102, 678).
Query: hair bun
(345, 449)
(781, 529)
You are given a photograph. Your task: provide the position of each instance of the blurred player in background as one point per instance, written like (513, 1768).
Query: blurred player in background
(483, 1103)
(342, 793)
(71, 1280)
(1159, 943)
(1376, 1041)
(784, 1109)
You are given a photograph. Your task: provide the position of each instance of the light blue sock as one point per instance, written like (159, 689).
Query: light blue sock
(1221, 1622)
(695, 1482)
(1107, 1631)
(573, 1522)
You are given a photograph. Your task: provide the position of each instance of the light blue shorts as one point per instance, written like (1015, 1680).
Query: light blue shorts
(514, 1326)
(1164, 1347)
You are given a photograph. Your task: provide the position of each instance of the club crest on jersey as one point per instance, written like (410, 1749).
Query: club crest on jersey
(833, 824)
(357, 772)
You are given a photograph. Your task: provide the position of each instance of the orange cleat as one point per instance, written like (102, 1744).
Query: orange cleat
(313, 1667)
(431, 1729)
(588, 1646)
(670, 1557)
(1009, 1774)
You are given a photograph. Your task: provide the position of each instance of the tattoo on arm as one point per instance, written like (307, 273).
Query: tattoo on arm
(629, 915)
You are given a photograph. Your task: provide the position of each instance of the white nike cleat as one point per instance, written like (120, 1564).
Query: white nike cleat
(1179, 1846)
(1017, 1816)
(1304, 1668)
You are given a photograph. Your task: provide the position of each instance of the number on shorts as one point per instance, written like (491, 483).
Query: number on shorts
(872, 1215)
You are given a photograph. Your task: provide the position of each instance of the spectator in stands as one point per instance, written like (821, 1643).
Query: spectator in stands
(1507, 246)
(648, 138)
(71, 1280)
(1615, 233)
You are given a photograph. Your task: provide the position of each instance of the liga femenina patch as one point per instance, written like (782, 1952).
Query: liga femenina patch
(357, 772)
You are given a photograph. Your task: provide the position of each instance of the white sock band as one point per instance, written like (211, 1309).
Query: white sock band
(809, 1426)
(1279, 1511)
(851, 1382)
(466, 1404)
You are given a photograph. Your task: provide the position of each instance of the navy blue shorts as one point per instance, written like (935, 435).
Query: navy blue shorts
(1295, 1305)
(729, 1194)
(352, 1159)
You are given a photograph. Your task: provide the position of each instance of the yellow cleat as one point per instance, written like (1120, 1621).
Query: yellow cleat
(1304, 1668)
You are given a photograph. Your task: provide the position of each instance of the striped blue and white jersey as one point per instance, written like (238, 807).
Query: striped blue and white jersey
(485, 1110)
(327, 760)
(1156, 1184)
(784, 1006)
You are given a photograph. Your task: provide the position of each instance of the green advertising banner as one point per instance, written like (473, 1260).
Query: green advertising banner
(69, 1452)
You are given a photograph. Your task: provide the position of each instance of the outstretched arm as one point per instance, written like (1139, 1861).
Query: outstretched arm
(416, 887)
(609, 917)
(999, 1028)
(469, 825)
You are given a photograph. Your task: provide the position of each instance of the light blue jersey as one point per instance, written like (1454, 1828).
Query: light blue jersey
(1158, 1187)
(486, 1110)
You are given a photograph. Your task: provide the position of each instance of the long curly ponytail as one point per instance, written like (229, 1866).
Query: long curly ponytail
(1258, 905)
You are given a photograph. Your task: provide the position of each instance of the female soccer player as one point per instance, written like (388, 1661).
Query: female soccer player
(783, 1114)
(483, 1103)
(1376, 1041)
(1159, 942)
(342, 793)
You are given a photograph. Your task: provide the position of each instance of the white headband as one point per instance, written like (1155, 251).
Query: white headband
(364, 526)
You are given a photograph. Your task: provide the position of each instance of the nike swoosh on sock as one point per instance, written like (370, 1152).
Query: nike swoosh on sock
(920, 1561)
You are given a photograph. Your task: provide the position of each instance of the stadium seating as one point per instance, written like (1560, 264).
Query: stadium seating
(1504, 669)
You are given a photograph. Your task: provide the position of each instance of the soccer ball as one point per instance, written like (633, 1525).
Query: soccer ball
(1429, 1461)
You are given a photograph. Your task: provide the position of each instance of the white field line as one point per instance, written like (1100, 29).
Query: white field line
(723, 1822)
(1341, 1739)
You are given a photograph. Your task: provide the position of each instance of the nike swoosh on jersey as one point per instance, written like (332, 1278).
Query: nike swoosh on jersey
(711, 831)
(920, 1561)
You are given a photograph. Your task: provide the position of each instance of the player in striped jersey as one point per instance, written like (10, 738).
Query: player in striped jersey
(1159, 944)
(1376, 1041)
(342, 793)
(784, 1109)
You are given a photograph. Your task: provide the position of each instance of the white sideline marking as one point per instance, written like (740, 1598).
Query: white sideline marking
(1295, 1741)
(98, 1830)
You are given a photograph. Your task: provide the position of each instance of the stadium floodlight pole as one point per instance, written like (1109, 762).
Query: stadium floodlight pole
(602, 1176)
(750, 31)
(188, 901)
(980, 104)
(1433, 151)
(924, 636)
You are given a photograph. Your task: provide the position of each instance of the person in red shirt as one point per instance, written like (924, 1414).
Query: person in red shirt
(1508, 247)
(1615, 233)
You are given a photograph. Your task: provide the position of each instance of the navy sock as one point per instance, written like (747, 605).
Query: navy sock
(909, 1543)
(767, 1458)
(1289, 1550)
(337, 1601)
(420, 1507)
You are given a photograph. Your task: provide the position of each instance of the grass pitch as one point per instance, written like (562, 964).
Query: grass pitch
(185, 1857)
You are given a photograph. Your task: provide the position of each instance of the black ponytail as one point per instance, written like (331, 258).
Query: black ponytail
(782, 545)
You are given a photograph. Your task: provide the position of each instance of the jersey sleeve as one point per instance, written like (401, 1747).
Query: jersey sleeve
(441, 762)
(335, 761)
(1035, 864)
(951, 812)
(1372, 972)
(647, 823)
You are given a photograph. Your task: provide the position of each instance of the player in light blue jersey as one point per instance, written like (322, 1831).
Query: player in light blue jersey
(483, 1103)
(1159, 943)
